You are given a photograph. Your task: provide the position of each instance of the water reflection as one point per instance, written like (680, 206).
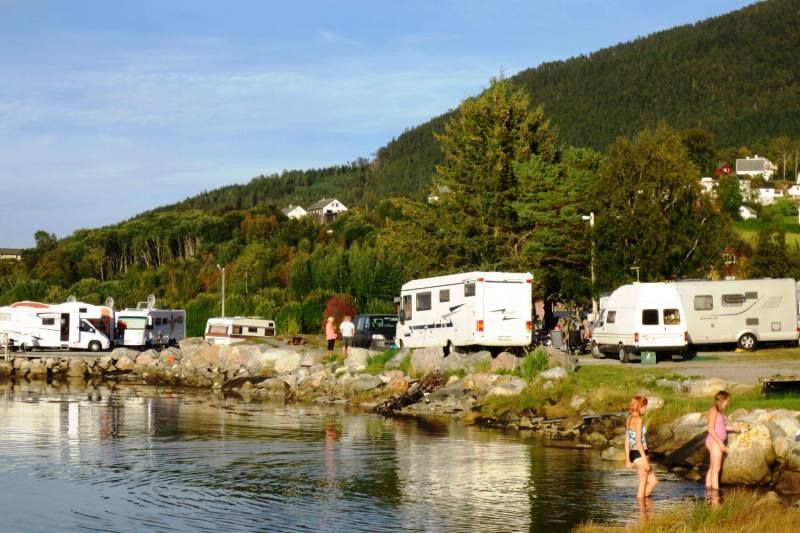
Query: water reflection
(146, 458)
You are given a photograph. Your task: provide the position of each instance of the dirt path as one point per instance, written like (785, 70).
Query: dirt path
(745, 367)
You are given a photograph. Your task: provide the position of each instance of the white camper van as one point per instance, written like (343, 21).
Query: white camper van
(147, 326)
(492, 309)
(745, 312)
(230, 330)
(69, 325)
(640, 317)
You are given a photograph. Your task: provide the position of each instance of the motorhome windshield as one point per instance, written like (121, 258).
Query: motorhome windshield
(133, 322)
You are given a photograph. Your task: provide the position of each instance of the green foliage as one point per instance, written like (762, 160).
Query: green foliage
(772, 258)
(198, 311)
(377, 363)
(534, 362)
(313, 313)
(730, 195)
(288, 318)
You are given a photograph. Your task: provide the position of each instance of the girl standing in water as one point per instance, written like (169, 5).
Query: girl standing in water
(636, 447)
(717, 438)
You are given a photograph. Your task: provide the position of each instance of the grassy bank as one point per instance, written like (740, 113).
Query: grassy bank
(738, 512)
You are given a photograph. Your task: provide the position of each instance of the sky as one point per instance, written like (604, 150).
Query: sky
(111, 108)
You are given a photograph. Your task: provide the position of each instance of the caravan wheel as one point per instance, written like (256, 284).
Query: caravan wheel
(623, 354)
(747, 342)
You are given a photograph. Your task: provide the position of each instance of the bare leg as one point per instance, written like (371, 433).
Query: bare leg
(714, 467)
(641, 490)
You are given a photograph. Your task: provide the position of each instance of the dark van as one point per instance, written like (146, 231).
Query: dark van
(375, 332)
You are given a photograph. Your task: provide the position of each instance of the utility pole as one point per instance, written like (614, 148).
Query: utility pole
(222, 269)
(590, 218)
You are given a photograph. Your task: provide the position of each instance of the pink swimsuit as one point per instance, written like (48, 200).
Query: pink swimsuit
(720, 429)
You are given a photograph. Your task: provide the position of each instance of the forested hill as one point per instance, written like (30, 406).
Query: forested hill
(736, 75)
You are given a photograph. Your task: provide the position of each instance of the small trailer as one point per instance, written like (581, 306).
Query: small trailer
(487, 309)
(67, 326)
(745, 312)
(147, 326)
(230, 330)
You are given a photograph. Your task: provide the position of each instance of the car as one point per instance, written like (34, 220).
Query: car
(375, 332)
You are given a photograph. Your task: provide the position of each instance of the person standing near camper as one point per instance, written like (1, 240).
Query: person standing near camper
(636, 447)
(348, 329)
(330, 335)
(717, 438)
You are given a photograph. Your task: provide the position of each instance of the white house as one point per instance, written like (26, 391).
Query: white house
(707, 185)
(793, 191)
(437, 192)
(325, 210)
(755, 166)
(14, 254)
(746, 213)
(767, 195)
(294, 211)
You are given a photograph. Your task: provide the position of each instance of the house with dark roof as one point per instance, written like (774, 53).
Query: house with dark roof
(755, 166)
(11, 254)
(294, 211)
(326, 210)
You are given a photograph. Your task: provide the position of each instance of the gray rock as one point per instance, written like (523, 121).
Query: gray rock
(505, 361)
(365, 382)
(116, 353)
(274, 387)
(577, 402)
(146, 358)
(356, 359)
(105, 362)
(77, 367)
(750, 459)
(554, 374)
(512, 387)
(467, 362)
(312, 359)
(190, 345)
(397, 359)
(426, 360)
(124, 363)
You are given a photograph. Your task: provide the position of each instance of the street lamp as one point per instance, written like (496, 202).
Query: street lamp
(590, 218)
(222, 269)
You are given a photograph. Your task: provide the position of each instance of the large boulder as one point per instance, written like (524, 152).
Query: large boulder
(467, 362)
(427, 360)
(124, 363)
(357, 359)
(505, 361)
(116, 353)
(750, 457)
(148, 358)
(397, 386)
(77, 367)
(511, 387)
(203, 357)
(288, 363)
(478, 382)
(274, 387)
(554, 374)
(397, 359)
(190, 345)
(706, 388)
(365, 382)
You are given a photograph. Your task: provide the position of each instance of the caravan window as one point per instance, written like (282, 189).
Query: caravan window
(407, 306)
(672, 317)
(217, 330)
(703, 302)
(611, 317)
(732, 300)
(48, 321)
(444, 295)
(423, 301)
(469, 288)
(649, 317)
(252, 329)
(237, 330)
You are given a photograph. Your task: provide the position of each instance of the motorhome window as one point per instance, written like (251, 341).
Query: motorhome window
(217, 330)
(86, 327)
(732, 300)
(133, 322)
(179, 319)
(237, 330)
(81, 309)
(423, 301)
(469, 288)
(649, 317)
(48, 321)
(611, 317)
(157, 321)
(407, 306)
(751, 295)
(444, 295)
(672, 317)
(703, 302)
(5, 316)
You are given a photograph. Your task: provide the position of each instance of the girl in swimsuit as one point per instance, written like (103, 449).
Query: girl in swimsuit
(636, 447)
(717, 438)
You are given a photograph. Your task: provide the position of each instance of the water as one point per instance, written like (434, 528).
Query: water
(161, 459)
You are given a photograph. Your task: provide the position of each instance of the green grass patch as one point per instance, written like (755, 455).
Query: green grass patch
(534, 362)
(377, 363)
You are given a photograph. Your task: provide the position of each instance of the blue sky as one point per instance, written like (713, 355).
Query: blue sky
(110, 108)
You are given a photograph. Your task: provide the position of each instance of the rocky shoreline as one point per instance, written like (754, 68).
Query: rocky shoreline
(458, 385)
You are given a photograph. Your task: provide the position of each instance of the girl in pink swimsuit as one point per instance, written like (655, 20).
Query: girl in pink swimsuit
(717, 438)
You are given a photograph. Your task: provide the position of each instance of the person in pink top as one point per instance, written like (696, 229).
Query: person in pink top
(330, 335)
(717, 438)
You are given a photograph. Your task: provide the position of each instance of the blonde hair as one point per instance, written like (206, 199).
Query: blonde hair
(720, 397)
(637, 403)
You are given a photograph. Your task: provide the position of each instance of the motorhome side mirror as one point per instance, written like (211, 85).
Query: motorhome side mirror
(402, 316)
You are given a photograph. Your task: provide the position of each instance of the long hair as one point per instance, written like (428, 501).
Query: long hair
(720, 397)
(637, 403)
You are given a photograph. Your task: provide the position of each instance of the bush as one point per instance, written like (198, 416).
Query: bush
(198, 311)
(533, 363)
(339, 306)
(289, 317)
(313, 317)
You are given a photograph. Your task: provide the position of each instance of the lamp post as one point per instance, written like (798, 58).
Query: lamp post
(222, 269)
(590, 218)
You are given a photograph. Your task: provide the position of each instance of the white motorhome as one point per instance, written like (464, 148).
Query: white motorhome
(69, 325)
(640, 317)
(492, 309)
(147, 326)
(230, 330)
(745, 312)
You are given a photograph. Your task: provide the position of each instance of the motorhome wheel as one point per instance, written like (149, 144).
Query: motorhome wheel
(23, 347)
(449, 348)
(596, 353)
(747, 341)
(94, 346)
(623, 354)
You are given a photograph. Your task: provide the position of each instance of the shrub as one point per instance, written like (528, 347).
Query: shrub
(533, 363)
(313, 315)
(339, 306)
(289, 315)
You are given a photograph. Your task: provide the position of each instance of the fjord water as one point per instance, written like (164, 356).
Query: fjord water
(130, 458)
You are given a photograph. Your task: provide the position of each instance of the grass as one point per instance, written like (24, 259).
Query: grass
(534, 362)
(377, 363)
(738, 512)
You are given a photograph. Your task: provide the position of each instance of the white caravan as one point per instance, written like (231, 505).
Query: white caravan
(230, 330)
(745, 312)
(492, 309)
(147, 326)
(69, 325)
(640, 317)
